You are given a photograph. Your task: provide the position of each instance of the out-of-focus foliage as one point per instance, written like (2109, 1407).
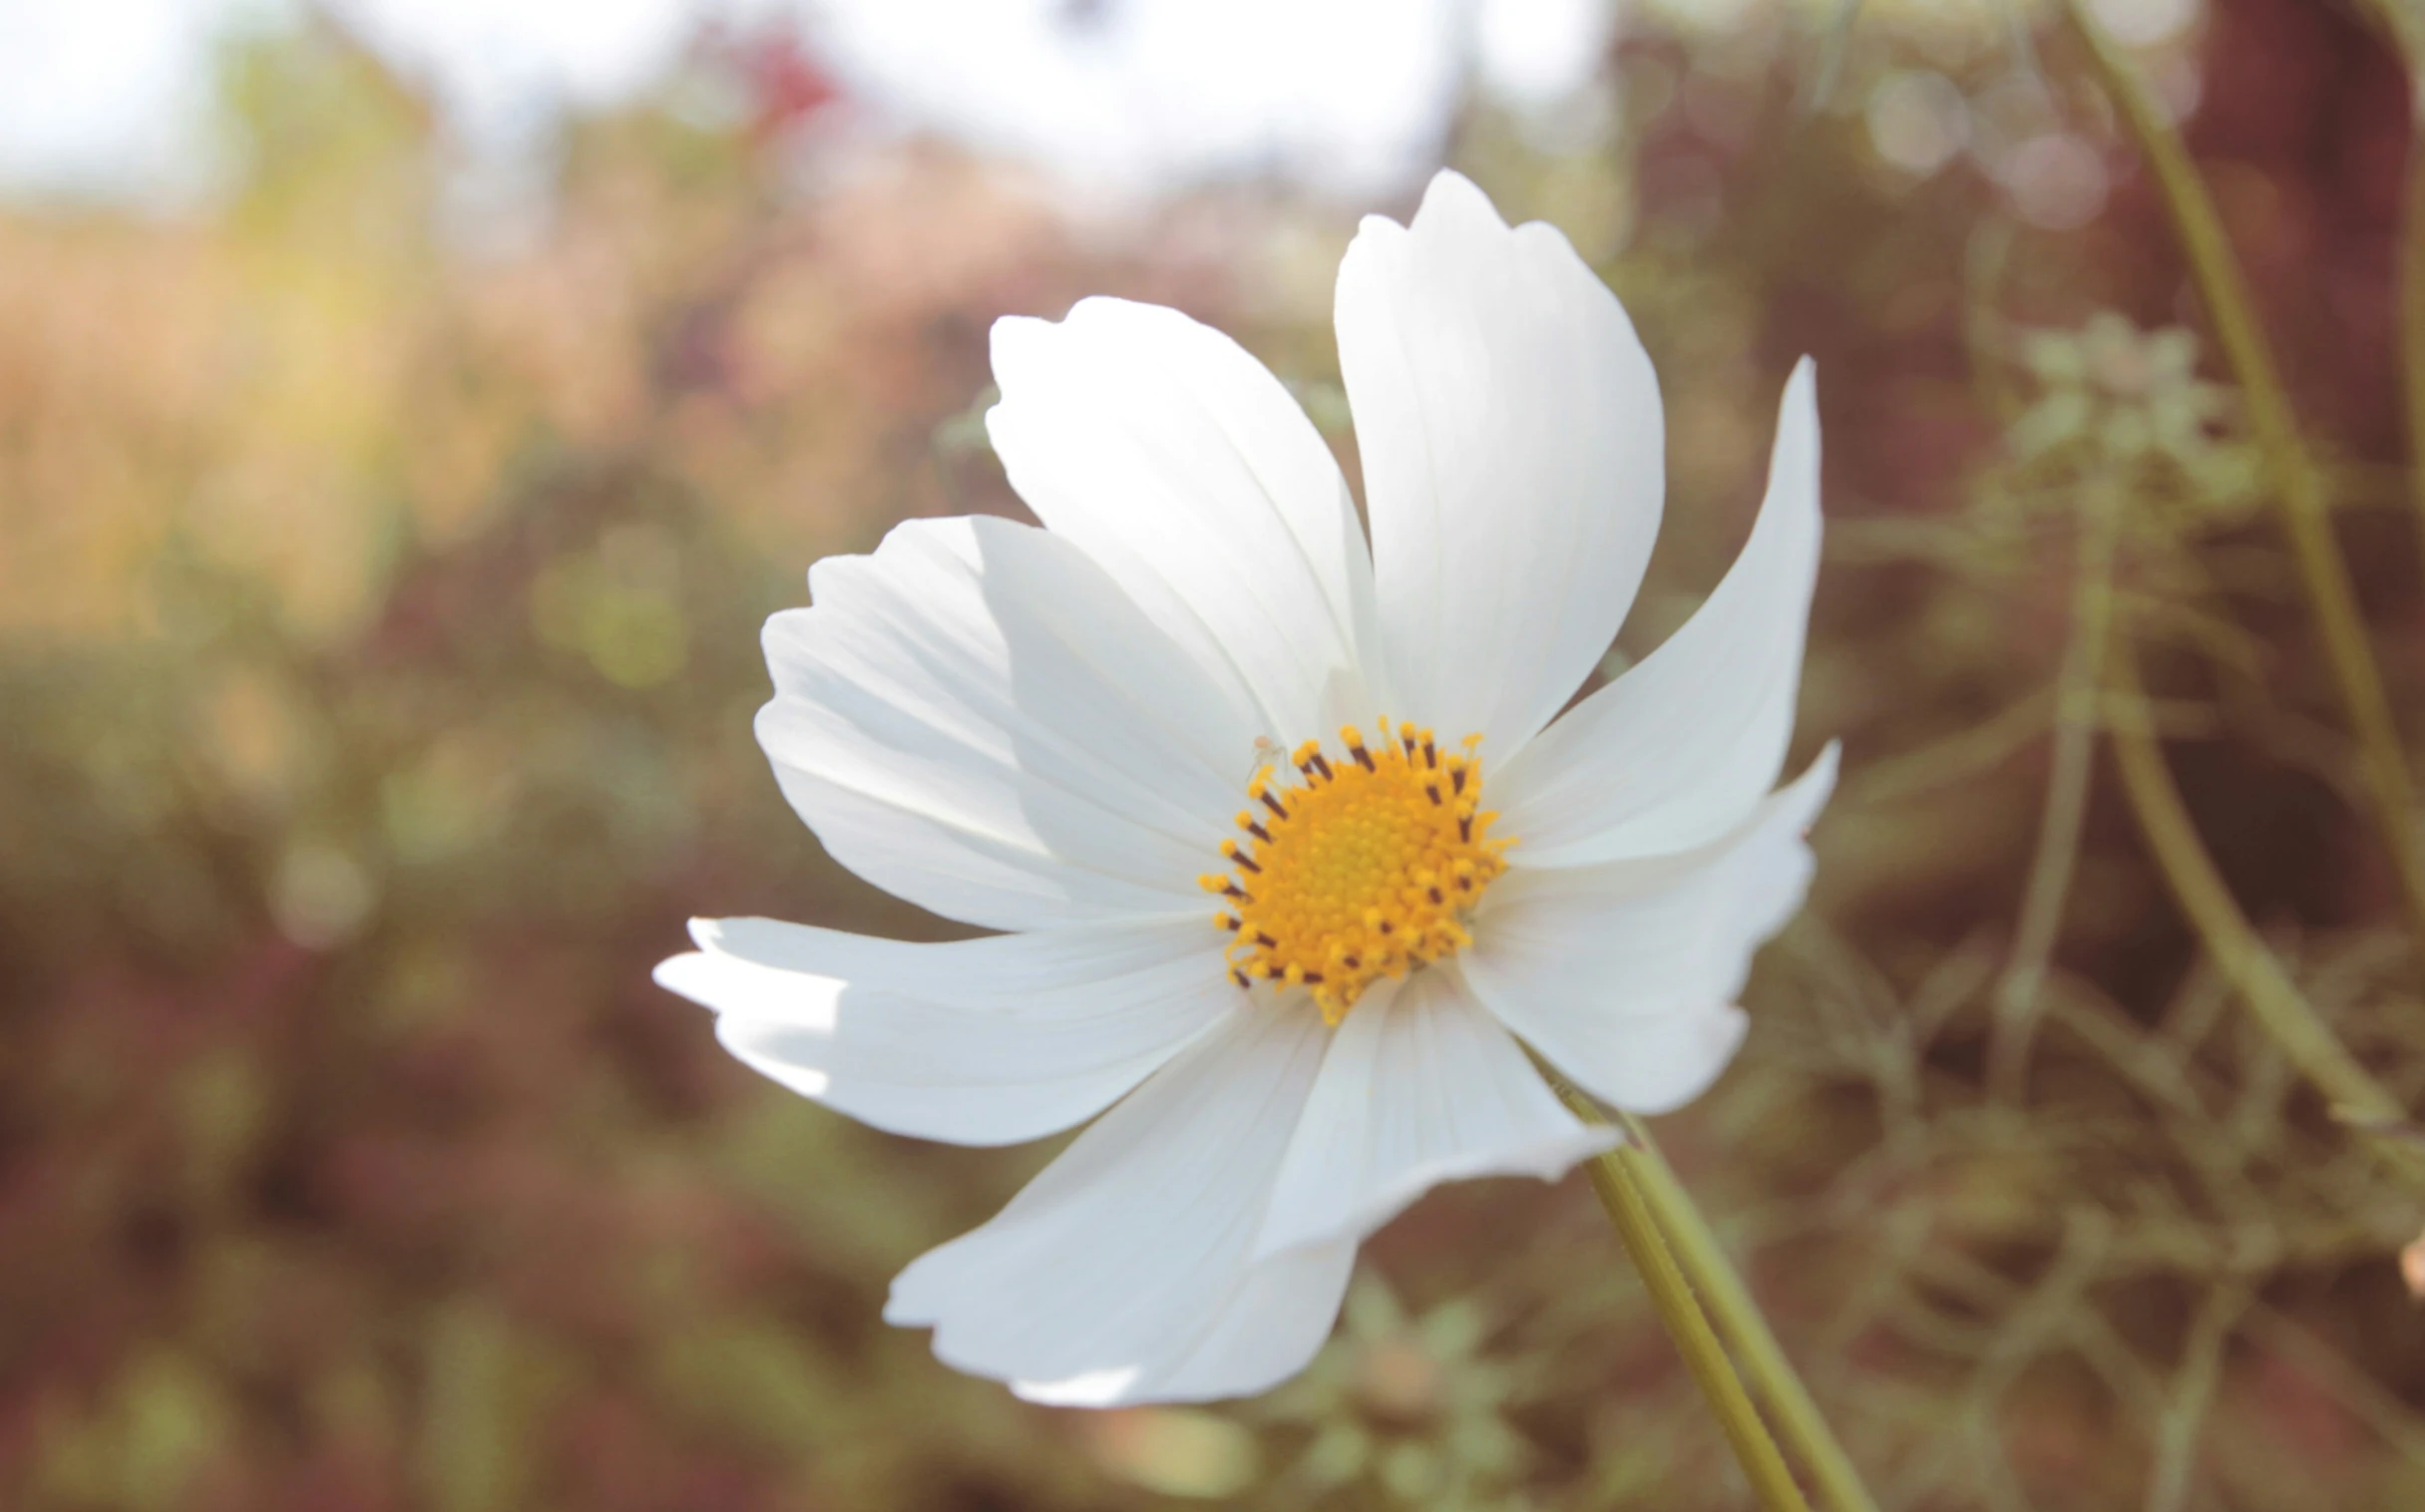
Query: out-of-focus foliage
(379, 611)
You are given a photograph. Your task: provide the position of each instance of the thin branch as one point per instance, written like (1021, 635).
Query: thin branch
(2018, 1004)
(2184, 1415)
(2252, 970)
(2297, 484)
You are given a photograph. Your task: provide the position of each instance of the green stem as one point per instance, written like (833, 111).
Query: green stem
(2281, 1010)
(2017, 998)
(1743, 1326)
(1762, 1464)
(2297, 484)
(2406, 29)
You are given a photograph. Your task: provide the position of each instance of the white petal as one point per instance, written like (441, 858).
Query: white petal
(1622, 974)
(1123, 1272)
(1270, 1329)
(1678, 750)
(1178, 462)
(977, 719)
(1419, 1087)
(980, 1041)
(1510, 431)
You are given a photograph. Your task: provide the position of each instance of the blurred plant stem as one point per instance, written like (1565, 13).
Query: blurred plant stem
(1683, 1266)
(2405, 20)
(2252, 970)
(2412, 313)
(2077, 687)
(2297, 482)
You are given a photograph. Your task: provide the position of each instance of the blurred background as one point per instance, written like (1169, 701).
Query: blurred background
(409, 412)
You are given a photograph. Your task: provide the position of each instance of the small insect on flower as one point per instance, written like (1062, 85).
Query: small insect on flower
(1266, 753)
(1300, 995)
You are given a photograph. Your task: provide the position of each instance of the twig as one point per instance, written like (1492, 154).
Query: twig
(2280, 1008)
(2409, 32)
(2193, 1394)
(2076, 688)
(2297, 484)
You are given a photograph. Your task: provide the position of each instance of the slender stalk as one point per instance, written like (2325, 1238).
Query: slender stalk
(1613, 1178)
(2076, 688)
(1762, 1463)
(2253, 971)
(1745, 1328)
(2297, 482)
(2193, 1395)
(2407, 28)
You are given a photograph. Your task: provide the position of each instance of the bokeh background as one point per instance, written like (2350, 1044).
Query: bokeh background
(409, 413)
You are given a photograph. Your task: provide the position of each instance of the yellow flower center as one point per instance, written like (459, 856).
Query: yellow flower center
(1361, 869)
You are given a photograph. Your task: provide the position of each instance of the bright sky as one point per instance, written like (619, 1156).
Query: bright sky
(105, 97)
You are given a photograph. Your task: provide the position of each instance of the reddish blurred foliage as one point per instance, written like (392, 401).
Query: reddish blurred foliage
(378, 640)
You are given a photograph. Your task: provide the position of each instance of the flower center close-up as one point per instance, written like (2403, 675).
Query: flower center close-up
(1363, 867)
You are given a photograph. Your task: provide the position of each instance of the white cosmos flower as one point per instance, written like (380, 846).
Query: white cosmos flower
(1052, 733)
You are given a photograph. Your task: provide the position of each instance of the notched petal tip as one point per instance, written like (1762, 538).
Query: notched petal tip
(1805, 796)
(685, 976)
(1012, 329)
(1451, 196)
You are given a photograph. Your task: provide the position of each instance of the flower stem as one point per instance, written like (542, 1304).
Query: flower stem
(2297, 484)
(2253, 971)
(2017, 997)
(2406, 22)
(1745, 1328)
(1615, 1177)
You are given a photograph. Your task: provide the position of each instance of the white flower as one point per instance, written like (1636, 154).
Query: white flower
(1056, 733)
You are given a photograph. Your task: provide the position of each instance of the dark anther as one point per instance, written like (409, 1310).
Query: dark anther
(1240, 977)
(1430, 755)
(1313, 978)
(1456, 780)
(1435, 898)
(1266, 940)
(1271, 804)
(1465, 828)
(1246, 861)
(1432, 788)
(1259, 832)
(1322, 765)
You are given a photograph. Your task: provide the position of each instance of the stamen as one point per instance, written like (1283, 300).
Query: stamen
(1365, 867)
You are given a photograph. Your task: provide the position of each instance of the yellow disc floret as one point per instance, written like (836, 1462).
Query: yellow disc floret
(1362, 868)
